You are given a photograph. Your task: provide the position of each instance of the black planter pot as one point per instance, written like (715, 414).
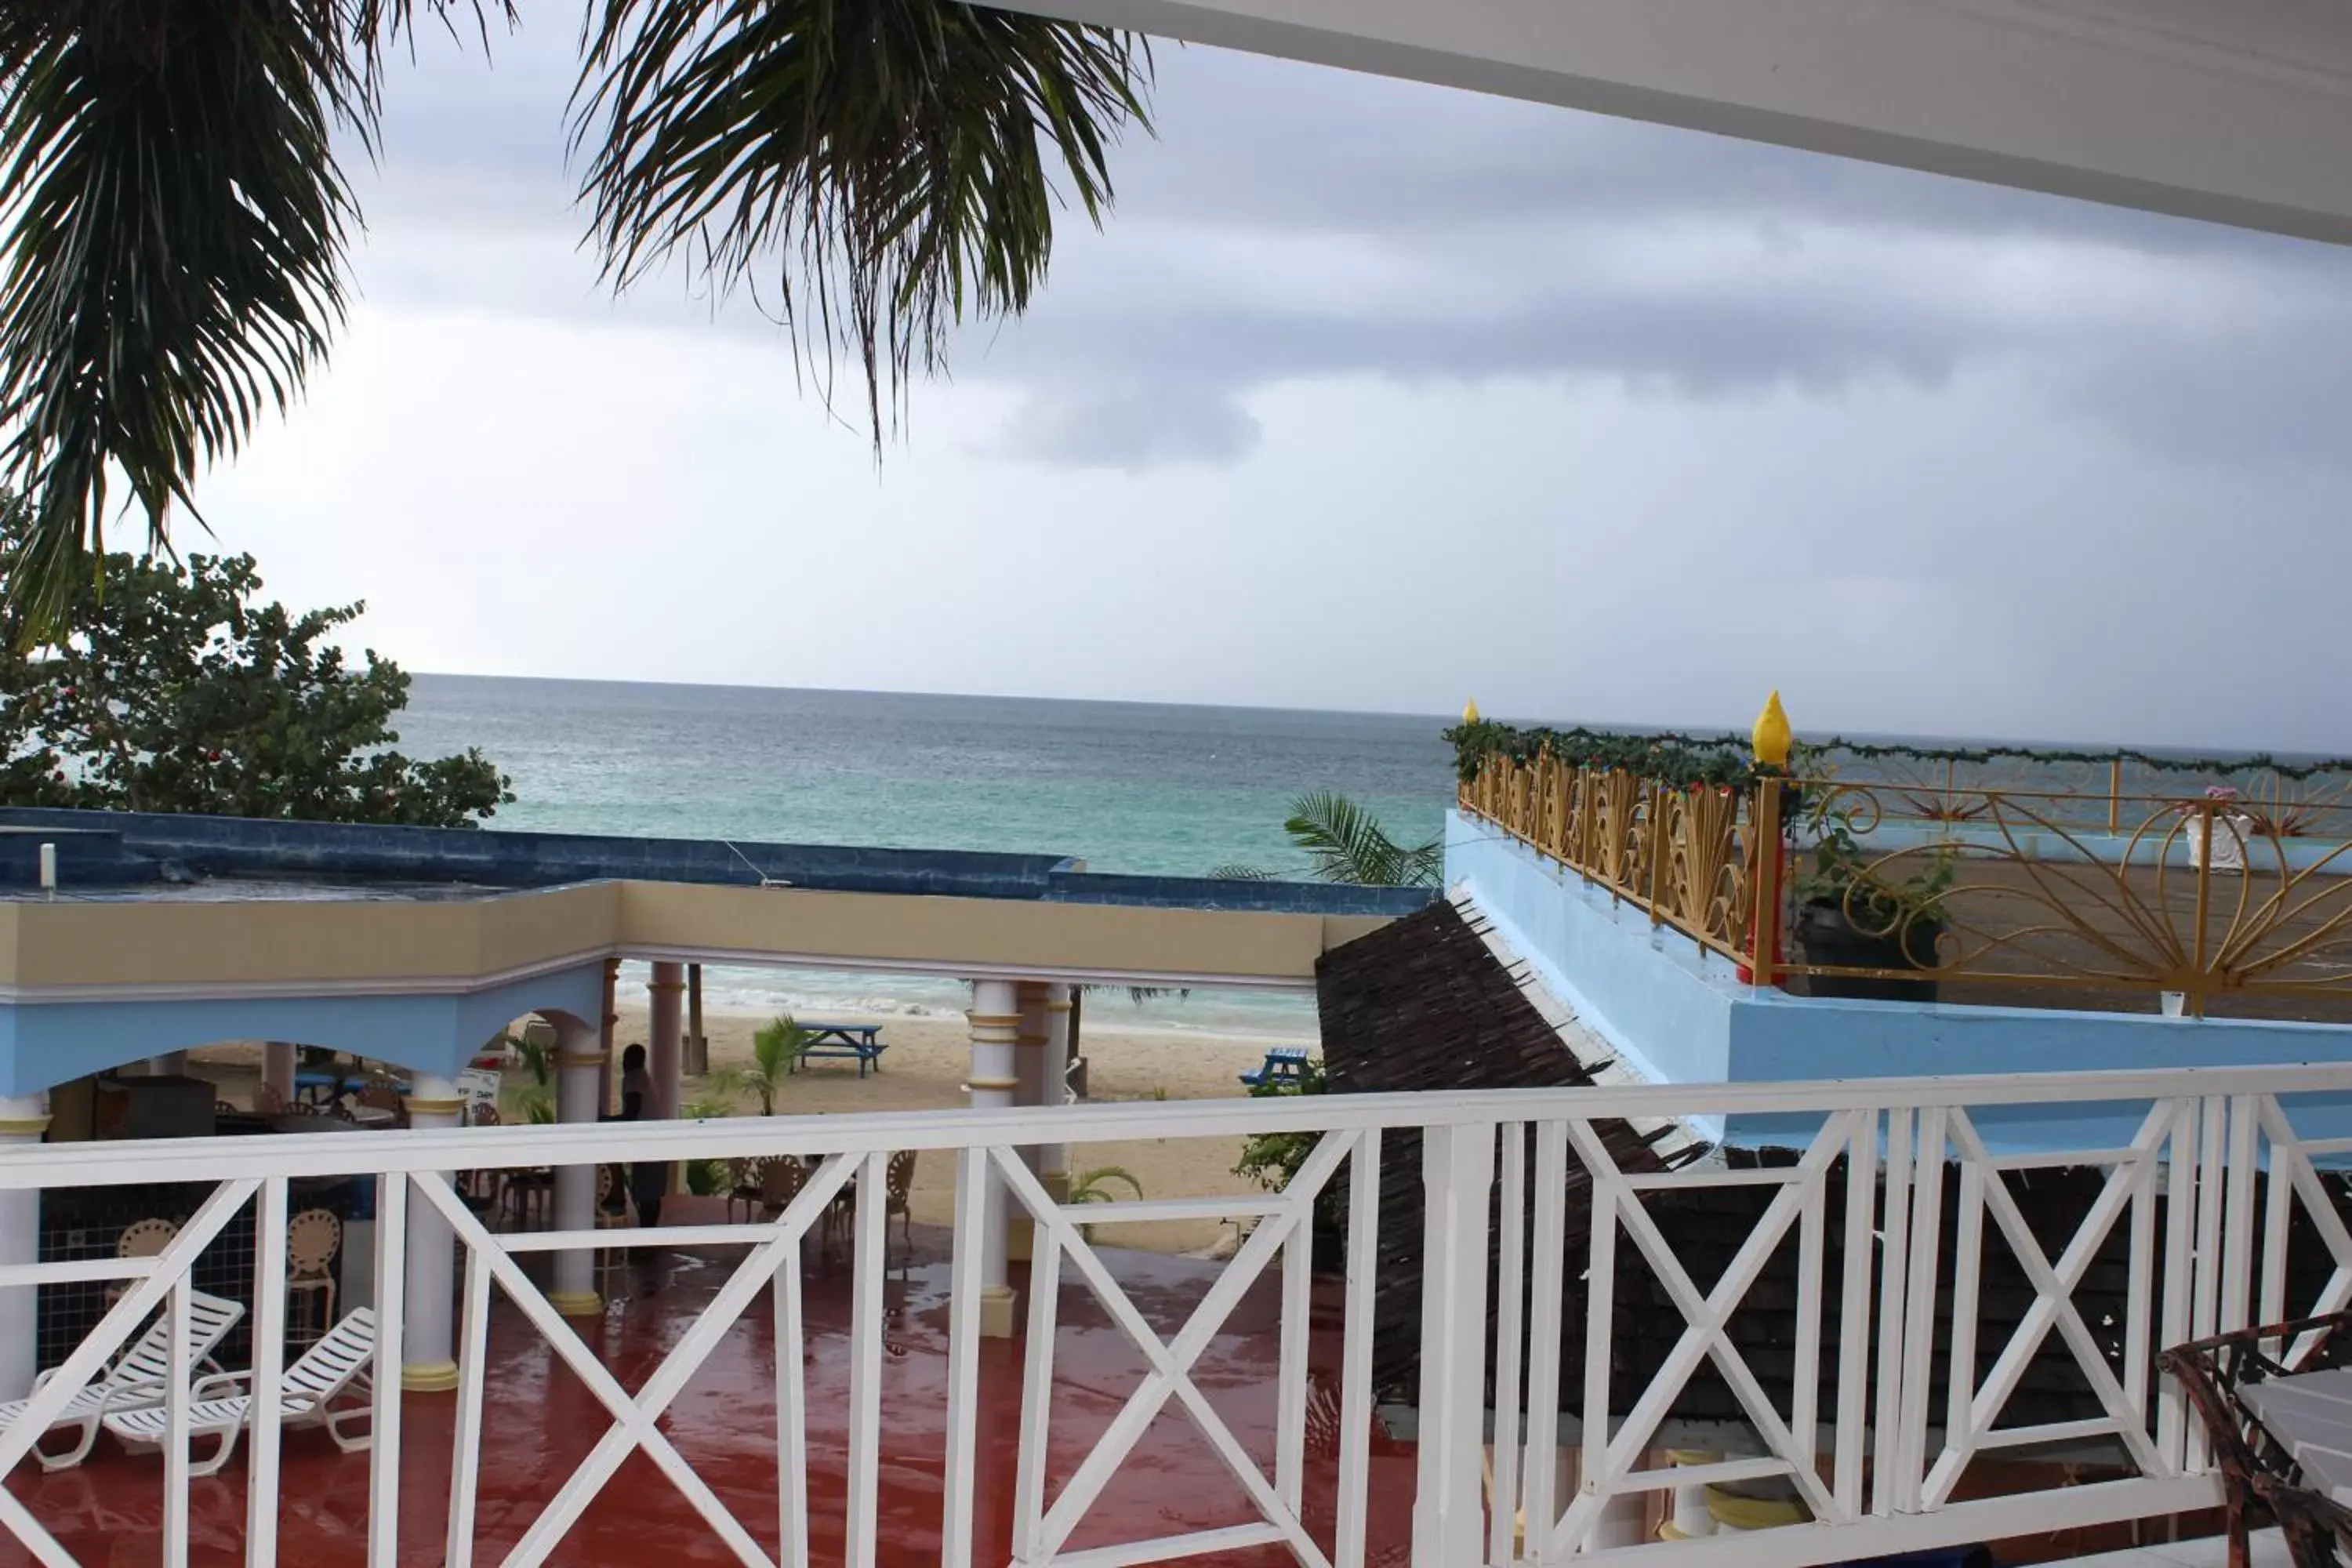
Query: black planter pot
(1829, 938)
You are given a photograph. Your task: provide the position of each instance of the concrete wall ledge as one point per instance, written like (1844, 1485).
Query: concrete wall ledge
(1678, 1013)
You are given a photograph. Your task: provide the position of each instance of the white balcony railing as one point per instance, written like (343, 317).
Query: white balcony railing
(1858, 1436)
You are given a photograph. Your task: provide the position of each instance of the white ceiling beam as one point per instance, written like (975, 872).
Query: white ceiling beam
(2236, 112)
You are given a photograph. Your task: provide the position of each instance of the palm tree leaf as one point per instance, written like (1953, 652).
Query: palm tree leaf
(1342, 840)
(1094, 1186)
(1345, 842)
(175, 249)
(892, 157)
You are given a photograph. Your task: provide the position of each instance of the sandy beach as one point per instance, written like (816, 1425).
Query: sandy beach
(928, 1059)
(924, 1069)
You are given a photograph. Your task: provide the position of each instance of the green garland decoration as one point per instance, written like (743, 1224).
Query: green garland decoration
(1725, 761)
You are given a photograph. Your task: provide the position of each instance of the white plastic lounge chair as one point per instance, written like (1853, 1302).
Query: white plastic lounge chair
(136, 1380)
(336, 1368)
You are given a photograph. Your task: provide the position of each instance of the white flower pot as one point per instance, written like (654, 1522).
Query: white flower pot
(2232, 830)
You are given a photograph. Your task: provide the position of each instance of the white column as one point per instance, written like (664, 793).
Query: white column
(1054, 1158)
(23, 1119)
(578, 1088)
(429, 1345)
(1690, 1519)
(665, 1047)
(995, 1028)
(277, 1067)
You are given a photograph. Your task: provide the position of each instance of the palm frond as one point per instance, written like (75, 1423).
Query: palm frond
(1236, 872)
(174, 258)
(1344, 842)
(891, 156)
(1094, 1186)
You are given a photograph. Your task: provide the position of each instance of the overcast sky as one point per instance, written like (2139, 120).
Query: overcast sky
(1372, 394)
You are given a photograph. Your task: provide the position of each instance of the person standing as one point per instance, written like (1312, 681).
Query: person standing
(648, 1179)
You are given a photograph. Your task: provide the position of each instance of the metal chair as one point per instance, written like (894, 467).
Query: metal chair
(2259, 1478)
(313, 1238)
(480, 1186)
(383, 1094)
(899, 1192)
(140, 1238)
(780, 1181)
(524, 1190)
(744, 1184)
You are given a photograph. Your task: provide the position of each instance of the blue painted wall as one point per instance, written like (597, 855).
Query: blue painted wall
(49, 1042)
(1677, 1014)
(1662, 1001)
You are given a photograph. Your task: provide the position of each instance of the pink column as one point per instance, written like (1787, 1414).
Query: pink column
(278, 1067)
(665, 1047)
(665, 1041)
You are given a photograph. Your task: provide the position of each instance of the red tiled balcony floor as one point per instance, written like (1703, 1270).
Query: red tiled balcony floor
(540, 1421)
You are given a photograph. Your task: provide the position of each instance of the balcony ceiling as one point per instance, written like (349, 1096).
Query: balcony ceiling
(2236, 112)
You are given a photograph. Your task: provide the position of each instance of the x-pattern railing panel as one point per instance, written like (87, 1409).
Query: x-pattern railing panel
(1609, 1457)
(1042, 1531)
(635, 1417)
(162, 1281)
(2293, 1179)
(1977, 1408)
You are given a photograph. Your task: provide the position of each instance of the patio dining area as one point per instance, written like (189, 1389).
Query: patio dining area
(540, 1422)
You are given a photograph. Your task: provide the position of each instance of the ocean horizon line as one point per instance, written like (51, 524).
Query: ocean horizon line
(2220, 751)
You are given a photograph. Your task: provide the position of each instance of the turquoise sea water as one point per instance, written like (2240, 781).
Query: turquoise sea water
(1124, 787)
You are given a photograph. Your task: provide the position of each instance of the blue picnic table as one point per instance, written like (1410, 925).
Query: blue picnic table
(844, 1041)
(1283, 1065)
(323, 1087)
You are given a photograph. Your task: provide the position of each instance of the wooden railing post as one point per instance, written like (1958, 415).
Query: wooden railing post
(1657, 847)
(1764, 931)
(2205, 849)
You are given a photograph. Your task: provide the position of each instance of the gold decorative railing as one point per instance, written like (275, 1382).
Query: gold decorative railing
(1681, 854)
(1969, 893)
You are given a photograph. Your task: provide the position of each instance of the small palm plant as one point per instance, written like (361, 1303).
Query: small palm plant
(706, 1178)
(777, 1048)
(535, 1057)
(535, 1099)
(1094, 1187)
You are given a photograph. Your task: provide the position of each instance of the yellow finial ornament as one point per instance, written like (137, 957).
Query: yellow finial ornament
(1772, 735)
(1470, 711)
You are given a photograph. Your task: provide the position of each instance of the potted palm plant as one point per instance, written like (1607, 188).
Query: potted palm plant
(1854, 913)
(777, 1047)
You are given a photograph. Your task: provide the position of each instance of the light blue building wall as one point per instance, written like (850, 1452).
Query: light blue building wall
(1676, 1013)
(45, 1043)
